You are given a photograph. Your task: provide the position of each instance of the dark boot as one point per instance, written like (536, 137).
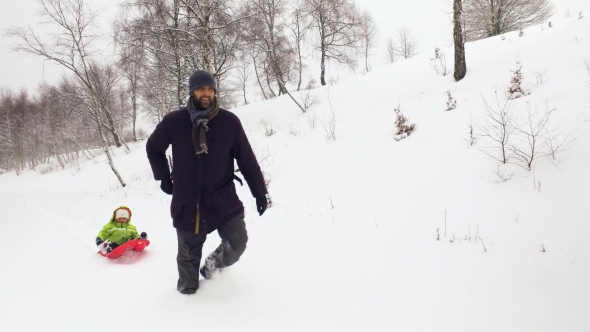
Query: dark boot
(211, 263)
(187, 291)
(233, 244)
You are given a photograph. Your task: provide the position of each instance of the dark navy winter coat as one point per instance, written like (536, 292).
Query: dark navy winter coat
(204, 180)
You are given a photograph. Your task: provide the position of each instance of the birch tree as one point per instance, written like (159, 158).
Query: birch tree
(163, 30)
(487, 18)
(71, 46)
(406, 45)
(368, 33)
(390, 52)
(460, 64)
(132, 64)
(336, 24)
(298, 29)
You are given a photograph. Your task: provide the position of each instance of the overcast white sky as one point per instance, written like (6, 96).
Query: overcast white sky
(425, 19)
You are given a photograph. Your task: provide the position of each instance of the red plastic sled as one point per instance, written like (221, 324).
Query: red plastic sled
(137, 245)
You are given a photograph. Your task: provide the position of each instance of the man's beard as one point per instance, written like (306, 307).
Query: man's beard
(202, 106)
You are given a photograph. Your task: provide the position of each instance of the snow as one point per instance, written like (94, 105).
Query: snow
(350, 243)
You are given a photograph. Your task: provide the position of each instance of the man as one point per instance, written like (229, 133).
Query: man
(205, 141)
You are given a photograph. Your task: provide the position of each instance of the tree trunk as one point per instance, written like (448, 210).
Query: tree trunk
(258, 76)
(460, 64)
(323, 66)
(207, 37)
(298, 41)
(134, 109)
(99, 123)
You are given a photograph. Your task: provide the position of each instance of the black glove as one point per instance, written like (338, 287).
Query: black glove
(143, 235)
(261, 204)
(99, 241)
(166, 186)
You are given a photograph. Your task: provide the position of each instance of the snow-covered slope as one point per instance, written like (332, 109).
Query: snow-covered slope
(350, 243)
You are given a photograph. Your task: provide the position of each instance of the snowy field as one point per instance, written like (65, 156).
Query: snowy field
(365, 233)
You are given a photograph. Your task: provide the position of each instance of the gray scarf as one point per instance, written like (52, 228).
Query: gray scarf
(200, 119)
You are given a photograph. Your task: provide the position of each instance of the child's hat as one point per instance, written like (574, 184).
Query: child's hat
(122, 213)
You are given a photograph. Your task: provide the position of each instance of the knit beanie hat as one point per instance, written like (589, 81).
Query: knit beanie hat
(122, 213)
(201, 78)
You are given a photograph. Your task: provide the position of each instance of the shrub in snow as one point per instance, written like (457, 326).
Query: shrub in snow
(312, 120)
(537, 135)
(268, 131)
(550, 25)
(520, 33)
(495, 129)
(402, 125)
(471, 139)
(309, 95)
(330, 120)
(539, 77)
(439, 63)
(520, 141)
(515, 90)
(451, 102)
(580, 15)
(503, 174)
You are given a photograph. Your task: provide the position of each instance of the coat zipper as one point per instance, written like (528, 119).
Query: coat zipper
(198, 220)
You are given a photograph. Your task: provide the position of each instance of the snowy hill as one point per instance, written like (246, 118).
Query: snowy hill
(351, 242)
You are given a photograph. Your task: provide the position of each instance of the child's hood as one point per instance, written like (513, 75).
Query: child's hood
(113, 221)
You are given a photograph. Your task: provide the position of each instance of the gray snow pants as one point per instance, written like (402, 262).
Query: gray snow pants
(190, 247)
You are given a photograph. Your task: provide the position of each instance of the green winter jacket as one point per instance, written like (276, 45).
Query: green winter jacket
(118, 232)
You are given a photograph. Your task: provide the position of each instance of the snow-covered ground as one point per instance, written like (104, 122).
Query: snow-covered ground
(350, 243)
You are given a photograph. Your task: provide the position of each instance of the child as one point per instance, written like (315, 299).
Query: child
(118, 231)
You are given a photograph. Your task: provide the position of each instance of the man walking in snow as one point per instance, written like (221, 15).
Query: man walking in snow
(205, 141)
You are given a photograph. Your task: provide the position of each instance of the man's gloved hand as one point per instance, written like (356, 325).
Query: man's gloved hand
(143, 235)
(261, 204)
(99, 241)
(166, 186)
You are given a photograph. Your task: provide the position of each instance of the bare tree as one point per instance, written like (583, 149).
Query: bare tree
(460, 64)
(131, 64)
(71, 47)
(406, 46)
(487, 18)
(368, 33)
(181, 36)
(218, 25)
(526, 147)
(536, 136)
(157, 95)
(298, 28)
(336, 25)
(106, 80)
(254, 55)
(390, 52)
(496, 128)
(162, 29)
(7, 132)
(266, 32)
(242, 75)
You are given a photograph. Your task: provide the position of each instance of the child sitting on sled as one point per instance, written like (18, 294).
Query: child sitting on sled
(117, 231)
